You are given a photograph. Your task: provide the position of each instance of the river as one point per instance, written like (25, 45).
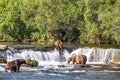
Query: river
(54, 74)
(49, 62)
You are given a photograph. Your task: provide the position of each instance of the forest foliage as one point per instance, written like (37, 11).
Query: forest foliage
(82, 21)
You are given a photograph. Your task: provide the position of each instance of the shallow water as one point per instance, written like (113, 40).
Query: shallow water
(55, 73)
(48, 69)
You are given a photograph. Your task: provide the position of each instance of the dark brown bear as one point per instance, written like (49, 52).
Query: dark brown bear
(14, 65)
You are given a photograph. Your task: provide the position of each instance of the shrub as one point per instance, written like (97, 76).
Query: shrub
(28, 62)
(116, 58)
(3, 61)
(32, 63)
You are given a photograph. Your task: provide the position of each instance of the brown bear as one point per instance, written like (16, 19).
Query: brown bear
(78, 59)
(58, 44)
(14, 65)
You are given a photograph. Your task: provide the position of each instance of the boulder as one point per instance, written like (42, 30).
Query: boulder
(3, 47)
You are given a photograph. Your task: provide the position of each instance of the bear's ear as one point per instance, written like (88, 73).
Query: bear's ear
(73, 55)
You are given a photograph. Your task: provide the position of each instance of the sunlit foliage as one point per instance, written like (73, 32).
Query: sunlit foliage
(83, 21)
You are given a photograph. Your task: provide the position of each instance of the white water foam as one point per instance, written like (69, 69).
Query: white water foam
(44, 58)
(94, 55)
(97, 55)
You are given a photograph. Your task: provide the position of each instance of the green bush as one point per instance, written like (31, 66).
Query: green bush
(116, 58)
(3, 61)
(32, 63)
(28, 62)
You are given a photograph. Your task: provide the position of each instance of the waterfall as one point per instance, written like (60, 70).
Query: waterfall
(97, 55)
(49, 57)
(94, 55)
(7, 54)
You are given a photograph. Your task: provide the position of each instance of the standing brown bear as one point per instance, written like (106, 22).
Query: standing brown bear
(14, 65)
(58, 44)
(59, 47)
(78, 59)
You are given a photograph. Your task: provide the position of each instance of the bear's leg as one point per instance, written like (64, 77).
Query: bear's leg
(6, 69)
(13, 69)
(73, 61)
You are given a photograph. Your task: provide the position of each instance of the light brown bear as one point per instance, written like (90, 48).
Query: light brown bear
(78, 59)
(14, 65)
(58, 44)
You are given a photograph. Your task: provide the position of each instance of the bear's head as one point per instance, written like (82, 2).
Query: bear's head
(71, 58)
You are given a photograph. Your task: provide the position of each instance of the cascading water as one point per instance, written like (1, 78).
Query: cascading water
(94, 55)
(44, 58)
(97, 55)
(7, 54)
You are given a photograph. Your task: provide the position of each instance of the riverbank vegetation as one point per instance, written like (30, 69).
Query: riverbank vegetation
(81, 21)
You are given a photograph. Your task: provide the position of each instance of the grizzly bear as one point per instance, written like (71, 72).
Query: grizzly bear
(14, 65)
(58, 44)
(78, 59)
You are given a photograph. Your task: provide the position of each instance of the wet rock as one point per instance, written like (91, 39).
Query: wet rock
(82, 66)
(61, 66)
